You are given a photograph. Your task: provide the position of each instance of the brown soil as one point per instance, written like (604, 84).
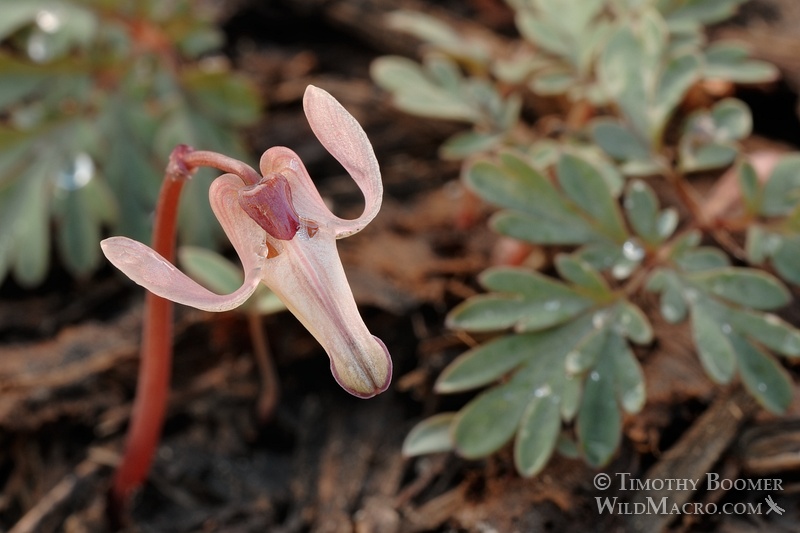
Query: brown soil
(327, 462)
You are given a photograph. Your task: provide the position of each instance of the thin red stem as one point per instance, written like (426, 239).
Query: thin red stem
(202, 158)
(152, 388)
(270, 386)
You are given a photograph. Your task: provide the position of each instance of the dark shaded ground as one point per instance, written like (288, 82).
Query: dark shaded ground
(328, 462)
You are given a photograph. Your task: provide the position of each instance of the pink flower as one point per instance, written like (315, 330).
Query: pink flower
(285, 237)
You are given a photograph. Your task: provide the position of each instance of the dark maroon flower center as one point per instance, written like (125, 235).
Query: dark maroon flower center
(269, 203)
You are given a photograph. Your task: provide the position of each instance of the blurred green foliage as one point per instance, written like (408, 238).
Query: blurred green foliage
(93, 96)
(220, 275)
(563, 370)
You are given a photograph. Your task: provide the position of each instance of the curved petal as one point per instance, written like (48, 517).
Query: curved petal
(344, 138)
(308, 277)
(150, 270)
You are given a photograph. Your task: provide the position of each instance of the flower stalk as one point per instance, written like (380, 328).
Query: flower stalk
(152, 386)
(285, 237)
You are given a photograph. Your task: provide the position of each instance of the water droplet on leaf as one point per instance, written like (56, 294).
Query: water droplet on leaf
(48, 21)
(623, 269)
(543, 391)
(633, 397)
(37, 47)
(632, 250)
(670, 313)
(552, 305)
(599, 319)
(691, 295)
(78, 173)
(572, 363)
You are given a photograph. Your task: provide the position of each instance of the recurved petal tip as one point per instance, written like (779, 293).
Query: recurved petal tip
(150, 270)
(364, 374)
(345, 139)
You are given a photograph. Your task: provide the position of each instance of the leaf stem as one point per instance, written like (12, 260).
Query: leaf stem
(270, 387)
(702, 219)
(687, 194)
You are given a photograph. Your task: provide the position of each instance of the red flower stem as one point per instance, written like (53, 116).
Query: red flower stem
(152, 388)
(202, 158)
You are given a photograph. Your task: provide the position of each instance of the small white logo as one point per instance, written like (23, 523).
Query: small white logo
(774, 506)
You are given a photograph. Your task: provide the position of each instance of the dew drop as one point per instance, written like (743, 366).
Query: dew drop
(48, 21)
(595, 376)
(727, 329)
(670, 313)
(572, 362)
(37, 47)
(599, 319)
(632, 250)
(543, 391)
(762, 387)
(78, 173)
(623, 270)
(691, 294)
(552, 305)
(632, 398)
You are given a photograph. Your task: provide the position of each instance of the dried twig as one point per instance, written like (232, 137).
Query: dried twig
(694, 455)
